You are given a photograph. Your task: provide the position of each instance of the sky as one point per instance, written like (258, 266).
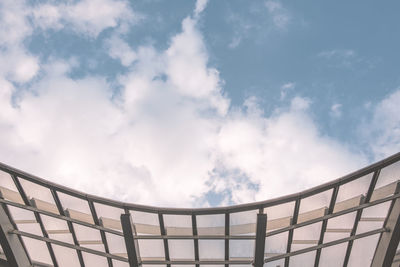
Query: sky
(197, 103)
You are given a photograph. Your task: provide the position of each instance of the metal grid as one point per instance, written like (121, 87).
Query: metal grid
(140, 235)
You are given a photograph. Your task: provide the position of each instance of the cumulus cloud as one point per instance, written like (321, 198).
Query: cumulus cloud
(168, 135)
(89, 17)
(280, 16)
(336, 110)
(119, 49)
(383, 130)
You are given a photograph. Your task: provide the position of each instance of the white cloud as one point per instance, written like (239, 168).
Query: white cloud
(119, 49)
(383, 130)
(200, 6)
(89, 17)
(168, 137)
(285, 88)
(280, 16)
(336, 110)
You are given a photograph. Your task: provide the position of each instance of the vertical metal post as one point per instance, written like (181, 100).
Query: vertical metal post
(163, 233)
(11, 244)
(102, 233)
(129, 242)
(261, 230)
(227, 234)
(290, 234)
(195, 239)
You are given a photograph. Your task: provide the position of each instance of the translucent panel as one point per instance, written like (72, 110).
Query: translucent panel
(354, 188)
(389, 174)
(280, 211)
(333, 256)
(66, 257)
(384, 191)
(178, 224)
(363, 251)
(76, 208)
(146, 223)
(39, 192)
(37, 250)
(306, 236)
(301, 260)
(6, 181)
(94, 260)
(241, 248)
(88, 237)
(181, 249)
(116, 244)
(151, 248)
(211, 249)
(51, 223)
(342, 222)
(278, 263)
(33, 228)
(373, 217)
(313, 207)
(279, 216)
(21, 214)
(276, 244)
(8, 189)
(117, 263)
(243, 222)
(108, 212)
(211, 224)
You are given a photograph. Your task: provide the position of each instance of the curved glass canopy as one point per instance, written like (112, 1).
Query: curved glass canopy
(351, 221)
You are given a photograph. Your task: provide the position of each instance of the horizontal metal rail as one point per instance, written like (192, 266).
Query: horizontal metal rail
(64, 244)
(328, 244)
(203, 211)
(61, 217)
(238, 237)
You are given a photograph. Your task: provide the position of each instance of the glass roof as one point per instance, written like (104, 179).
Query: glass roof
(341, 223)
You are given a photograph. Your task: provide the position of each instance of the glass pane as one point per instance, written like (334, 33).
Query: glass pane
(116, 244)
(151, 248)
(363, 251)
(37, 250)
(355, 188)
(88, 237)
(306, 236)
(42, 197)
(277, 263)
(314, 206)
(109, 212)
(243, 222)
(373, 217)
(279, 216)
(333, 256)
(57, 229)
(211, 224)
(66, 257)
(301, 260)
(117, 263)
(181, 249)
(76, 208)
(146, 223)
(241, 249)
(94, 260)
(276, 244)
(178, 224)
(8, 189)
(211, 249)
(389, 175)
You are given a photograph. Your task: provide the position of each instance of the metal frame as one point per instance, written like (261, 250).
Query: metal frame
(390, 232)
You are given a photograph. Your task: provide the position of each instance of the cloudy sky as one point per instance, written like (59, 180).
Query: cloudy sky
(196, 103)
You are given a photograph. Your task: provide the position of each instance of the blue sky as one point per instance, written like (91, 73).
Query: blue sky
(197, 103)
